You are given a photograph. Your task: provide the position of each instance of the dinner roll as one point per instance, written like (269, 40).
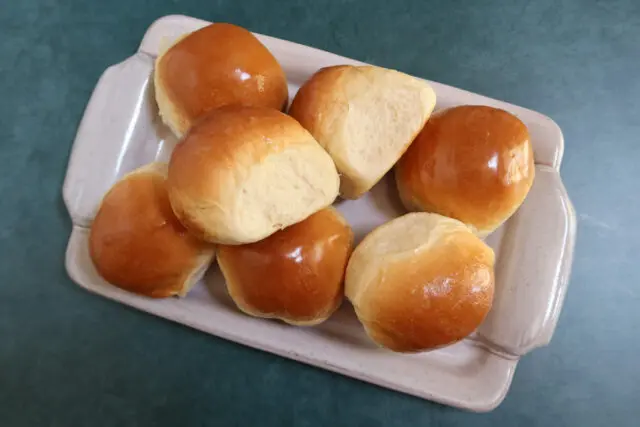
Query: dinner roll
(365, 117)
(243, 173)
(136, 242)
(472, 163)
(295, 275)
(420, 281)
(217, 65)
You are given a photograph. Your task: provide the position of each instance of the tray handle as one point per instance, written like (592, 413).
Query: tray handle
(533, 269)
(109, 123)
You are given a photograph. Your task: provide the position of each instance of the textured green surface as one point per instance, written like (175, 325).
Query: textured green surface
(68, 358)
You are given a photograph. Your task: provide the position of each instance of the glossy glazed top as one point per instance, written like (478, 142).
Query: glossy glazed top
(472, 163)
(138, 244)
(421, 281)
(217, 65)
(295, 274)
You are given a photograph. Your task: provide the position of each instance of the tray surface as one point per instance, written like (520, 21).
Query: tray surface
(121, 130)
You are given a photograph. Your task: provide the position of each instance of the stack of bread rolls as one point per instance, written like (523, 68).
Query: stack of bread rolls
(255, 185)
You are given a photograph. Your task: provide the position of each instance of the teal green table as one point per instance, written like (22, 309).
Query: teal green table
(69, 358)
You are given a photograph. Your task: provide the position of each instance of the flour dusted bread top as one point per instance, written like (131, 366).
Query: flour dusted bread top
(137, 243)
(420, 281)
(365, 117)
(220, 64)
(242, 173)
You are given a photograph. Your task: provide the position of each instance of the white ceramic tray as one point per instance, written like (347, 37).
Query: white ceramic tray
(121, 131)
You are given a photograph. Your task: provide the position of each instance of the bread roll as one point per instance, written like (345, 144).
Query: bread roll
(137, 244)
(217, 65)
(472, 163)
(243, 173)
(365, 117)
(420, 281)
(295, 275)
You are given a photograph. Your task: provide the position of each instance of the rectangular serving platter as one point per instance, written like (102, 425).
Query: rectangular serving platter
(121, 131)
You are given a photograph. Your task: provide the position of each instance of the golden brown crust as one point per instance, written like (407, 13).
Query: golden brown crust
(136, 242)
(210, 167)
(365, 117)
(472, 163)
(296, 274)
(310, 107)
(218, 65)
(314, 95)
(212, 150)
(437, 299)
(432, 290)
